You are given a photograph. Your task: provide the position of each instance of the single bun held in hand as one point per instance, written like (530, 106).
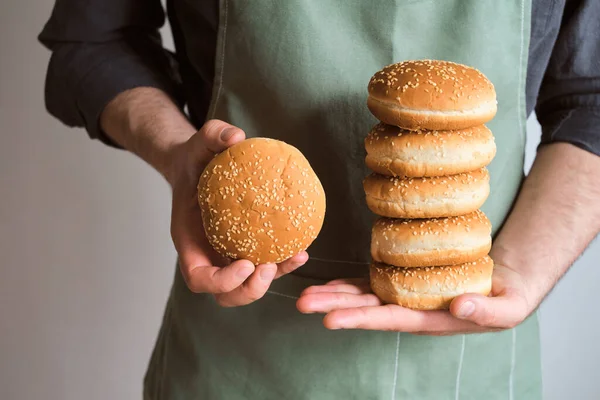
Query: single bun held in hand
(261, 201)
(430, 288)
(398, 152)
(430, 94)
(431, 242)
(443, 196)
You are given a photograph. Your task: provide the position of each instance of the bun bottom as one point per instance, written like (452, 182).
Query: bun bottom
(426, 209)
(411, 119)
(401, 168)
(430, 288)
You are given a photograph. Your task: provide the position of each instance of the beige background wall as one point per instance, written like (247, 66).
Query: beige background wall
(86, 259)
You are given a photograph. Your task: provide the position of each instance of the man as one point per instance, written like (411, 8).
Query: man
(297, 71)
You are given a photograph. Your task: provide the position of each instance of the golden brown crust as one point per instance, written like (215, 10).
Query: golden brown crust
(431, 94)
(431, 242)
(430, 288)
(444, 196)
(261, 201)
(394, 151)
(432, 85)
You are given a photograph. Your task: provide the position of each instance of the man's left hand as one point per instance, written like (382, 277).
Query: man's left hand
(350, 304)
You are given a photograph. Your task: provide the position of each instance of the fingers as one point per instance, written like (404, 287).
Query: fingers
(347, 307)
(395, 318)
(352, 281)
(338, 294)
(354, 286)
(291, 264)
(469, 313)
(237, 284)
(326, 302)
(344, 288)
(258, 283)
(252, 289)
(505, 311)
(210, 279)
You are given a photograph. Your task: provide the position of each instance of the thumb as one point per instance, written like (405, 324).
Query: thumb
(504, 311)
(214, 137)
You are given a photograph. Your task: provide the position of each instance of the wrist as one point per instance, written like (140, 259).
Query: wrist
(175, 161)
(164, 147)
(147, 123)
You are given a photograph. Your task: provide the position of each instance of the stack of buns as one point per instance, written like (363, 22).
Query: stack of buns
(428, 156)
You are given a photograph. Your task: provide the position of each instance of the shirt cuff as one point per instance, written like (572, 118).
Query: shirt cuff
(86, 77)
(577, 126)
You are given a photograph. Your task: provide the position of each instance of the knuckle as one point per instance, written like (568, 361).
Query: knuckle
(285, 267)
(223, 301)
(222, 286)
(487, 318)
(514, 322)
(337, 300)
(291, 266)
(193, 285)
(254, 297)
(490, 319)
(188, 278)
(254, 294)
(509, 324)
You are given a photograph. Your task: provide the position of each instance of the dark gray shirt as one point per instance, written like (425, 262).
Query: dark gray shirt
(103, 47)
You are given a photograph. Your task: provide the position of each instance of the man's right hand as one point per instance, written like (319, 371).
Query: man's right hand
(204, 270)
(146, 122)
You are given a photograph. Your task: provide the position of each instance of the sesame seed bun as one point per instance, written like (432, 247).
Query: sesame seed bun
(444, 196)
(431, 94)
(431, 242)
(430, 288)
(261, 201)
(395, 151)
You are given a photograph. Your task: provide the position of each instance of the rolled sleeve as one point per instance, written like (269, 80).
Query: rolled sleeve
(577, 126)
(100, 51)
(568, 106)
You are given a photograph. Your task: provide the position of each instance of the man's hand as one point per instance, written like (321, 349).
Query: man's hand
(555, 218)
(146, 122)
(350, 304)
(233, 284)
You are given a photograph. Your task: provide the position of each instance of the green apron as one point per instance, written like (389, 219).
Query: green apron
(297, 70)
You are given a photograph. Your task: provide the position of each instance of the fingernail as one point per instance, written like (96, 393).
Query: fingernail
(267, 273)
(466, 309)
(245, 272)
(336, 327)
(227, 134)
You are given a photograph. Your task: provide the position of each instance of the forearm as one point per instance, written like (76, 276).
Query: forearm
(554, 219)
(146, 122)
